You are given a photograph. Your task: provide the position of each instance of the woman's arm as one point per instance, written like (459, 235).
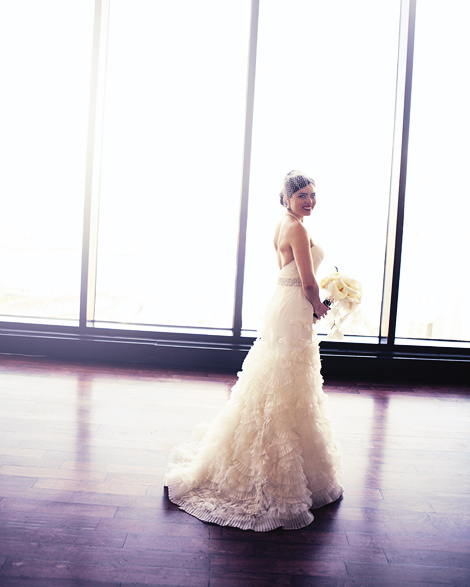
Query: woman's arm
(300, 244)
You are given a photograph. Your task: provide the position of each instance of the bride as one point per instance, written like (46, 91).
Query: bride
(270, 456)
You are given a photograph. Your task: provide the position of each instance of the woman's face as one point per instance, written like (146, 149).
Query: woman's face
(303, 201)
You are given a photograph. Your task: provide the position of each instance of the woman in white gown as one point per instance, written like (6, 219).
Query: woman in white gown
(270, 456)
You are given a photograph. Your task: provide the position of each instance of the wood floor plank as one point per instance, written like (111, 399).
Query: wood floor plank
(230, 579)
(408, 574)
(95, 555)
(303, 536)
(13, 481)
(401, 556)
(9, 451)
(407, 505)
(20, 461)
(338, 553)
(385, 541)
(287, 566)
(166, 516)
(180, 544)
(121, 500)
(43, 472)
(78, 485)
(34, 493)
(162, 528)
(57, 507)
(50, 582)
(62, 536)
(54, 522)
(120, 573)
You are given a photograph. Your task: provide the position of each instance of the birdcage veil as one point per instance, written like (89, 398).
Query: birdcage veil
(293, 182)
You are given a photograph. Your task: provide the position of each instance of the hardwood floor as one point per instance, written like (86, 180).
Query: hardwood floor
(83, 450)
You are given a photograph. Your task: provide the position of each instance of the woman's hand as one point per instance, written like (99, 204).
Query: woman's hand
(320, 310)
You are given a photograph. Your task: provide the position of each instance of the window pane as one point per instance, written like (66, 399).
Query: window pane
(172, 162)
(436, 243)
(324, 104)
(45, 55)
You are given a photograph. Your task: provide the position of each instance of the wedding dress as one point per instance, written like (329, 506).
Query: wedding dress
(270, 455)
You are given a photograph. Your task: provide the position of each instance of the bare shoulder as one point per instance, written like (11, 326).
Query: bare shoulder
(297, 231)
(300, 239)
(289, 231)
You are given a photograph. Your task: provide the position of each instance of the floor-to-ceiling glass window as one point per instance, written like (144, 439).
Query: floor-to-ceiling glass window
(434, 278)
(158, 147)
(324, 104)
(173, 133)
(45, 59)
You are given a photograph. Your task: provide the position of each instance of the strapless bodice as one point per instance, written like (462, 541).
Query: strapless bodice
(289, 274)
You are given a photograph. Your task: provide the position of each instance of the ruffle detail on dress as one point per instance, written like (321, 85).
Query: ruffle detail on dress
(270, 455)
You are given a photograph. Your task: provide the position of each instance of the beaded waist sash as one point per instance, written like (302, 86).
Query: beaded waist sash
(289, 281)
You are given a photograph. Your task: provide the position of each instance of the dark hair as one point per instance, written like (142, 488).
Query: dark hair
(293, 182)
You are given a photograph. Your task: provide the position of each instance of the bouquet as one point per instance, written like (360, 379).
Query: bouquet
(344, 296)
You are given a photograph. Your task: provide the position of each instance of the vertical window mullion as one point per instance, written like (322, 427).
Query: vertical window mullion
(237, 317)
(398, 180)
(91, 208)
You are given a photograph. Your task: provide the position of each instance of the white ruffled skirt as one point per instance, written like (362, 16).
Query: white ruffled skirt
(270, 456)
